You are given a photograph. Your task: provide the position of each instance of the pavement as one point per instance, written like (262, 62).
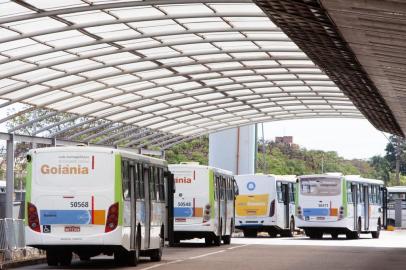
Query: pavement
(388, 252)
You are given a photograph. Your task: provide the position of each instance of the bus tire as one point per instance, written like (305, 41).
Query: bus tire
(250, 233)
(375, 235)
(120, 257)
(208, 241)
(272, 234)
(315, 235)
(227, 239)
(65, 258)
(156, 254)
(134, 256)
(52, 257)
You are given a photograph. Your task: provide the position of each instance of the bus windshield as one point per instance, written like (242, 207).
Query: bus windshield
(320, 186)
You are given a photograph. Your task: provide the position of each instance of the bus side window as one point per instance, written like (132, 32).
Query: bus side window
(136, 181)
(216, 186)
(279, 191)
(141, 181)
(236, 191)
(125, 172)
(151, 179)
(156, 177)
(161, 185)
(360, 194)
(222, 188)
(292, 192)
(370, 194)
(349, 193)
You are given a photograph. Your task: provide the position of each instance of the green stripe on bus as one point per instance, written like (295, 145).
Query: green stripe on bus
(118, 190)
(211, 192)
(28, 184)
(345, 196)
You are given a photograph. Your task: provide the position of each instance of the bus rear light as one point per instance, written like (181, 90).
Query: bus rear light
(207, 212)
(272, 209)
(112, 217)
(33, 220)
(341, 213)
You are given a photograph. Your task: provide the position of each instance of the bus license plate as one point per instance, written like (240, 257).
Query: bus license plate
(72, 229)
(320, 218)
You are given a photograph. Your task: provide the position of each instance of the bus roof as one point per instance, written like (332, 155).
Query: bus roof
(397, 189)
(194, 165)
(352, 178)
(290, 178)
(357, 178)
(99, 149)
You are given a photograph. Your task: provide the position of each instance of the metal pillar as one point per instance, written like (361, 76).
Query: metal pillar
(10, 177)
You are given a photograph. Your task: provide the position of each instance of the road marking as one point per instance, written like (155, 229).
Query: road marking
(238, 246)
(192, 258)
(207, 254)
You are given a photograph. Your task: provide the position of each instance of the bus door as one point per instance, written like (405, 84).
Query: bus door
(170, 190)
(133, 200)
(285, 198)
(366, 206)
(354, 192)
(147, 206)
(223, 200)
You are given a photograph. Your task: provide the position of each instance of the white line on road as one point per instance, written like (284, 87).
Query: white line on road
(207, 254)
(160, 264)
(238, 246)
(192, 258)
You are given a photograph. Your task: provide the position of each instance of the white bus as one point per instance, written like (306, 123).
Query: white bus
(93, 200)
(265, 203)
(395, 195)
(203, 203)
(336, 204)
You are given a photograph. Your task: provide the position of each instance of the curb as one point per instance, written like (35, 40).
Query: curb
(20, 263)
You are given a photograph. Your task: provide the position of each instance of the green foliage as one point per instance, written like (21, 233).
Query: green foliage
(291, 159)
(196, 150)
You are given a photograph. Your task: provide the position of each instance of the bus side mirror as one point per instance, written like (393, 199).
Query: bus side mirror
(29, 158)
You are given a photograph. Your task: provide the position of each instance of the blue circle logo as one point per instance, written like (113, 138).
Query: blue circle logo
(250, 186)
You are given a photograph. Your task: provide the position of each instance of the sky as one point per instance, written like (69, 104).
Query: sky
(350, 138)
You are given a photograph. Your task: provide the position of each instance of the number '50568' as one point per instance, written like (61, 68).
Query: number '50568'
(79, 204)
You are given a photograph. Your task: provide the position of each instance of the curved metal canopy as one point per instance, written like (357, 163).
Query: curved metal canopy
(157, 72)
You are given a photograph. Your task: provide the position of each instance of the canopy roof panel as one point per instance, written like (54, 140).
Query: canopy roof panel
(155, 72)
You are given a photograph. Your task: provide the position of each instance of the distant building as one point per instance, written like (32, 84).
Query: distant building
(285, 140)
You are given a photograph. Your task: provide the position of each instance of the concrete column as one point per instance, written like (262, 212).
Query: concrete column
(233, 150)
(10, 177)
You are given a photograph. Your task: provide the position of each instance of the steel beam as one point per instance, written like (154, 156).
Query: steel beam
(10, 177)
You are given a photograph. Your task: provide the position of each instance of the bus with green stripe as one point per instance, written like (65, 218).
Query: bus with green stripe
(96, 200)
(335, 204)
(203, 203)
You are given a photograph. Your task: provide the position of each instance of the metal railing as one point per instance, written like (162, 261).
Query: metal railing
(12, 240)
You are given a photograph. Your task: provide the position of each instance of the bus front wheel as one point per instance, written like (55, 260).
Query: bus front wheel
(227, 239)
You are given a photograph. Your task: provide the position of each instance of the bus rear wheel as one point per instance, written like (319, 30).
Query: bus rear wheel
(52, 258)
(375, 235)
(315, 235)
(65, 258)
(156, 255)
(250, 233)
(227, 239)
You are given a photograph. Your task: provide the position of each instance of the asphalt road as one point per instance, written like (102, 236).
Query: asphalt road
(280, 253)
